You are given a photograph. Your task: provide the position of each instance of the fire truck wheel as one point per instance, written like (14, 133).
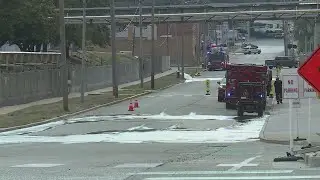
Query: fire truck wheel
(240, 111)
(260, 111)
(264, 105)
(228, 106)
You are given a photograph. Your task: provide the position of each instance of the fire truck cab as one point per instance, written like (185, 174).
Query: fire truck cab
(217, 59)
(240, 75)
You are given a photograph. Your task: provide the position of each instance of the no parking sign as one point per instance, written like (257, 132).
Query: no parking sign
(290, 85)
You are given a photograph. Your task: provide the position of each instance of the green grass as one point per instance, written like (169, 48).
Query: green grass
(43, 112)
(47, 111)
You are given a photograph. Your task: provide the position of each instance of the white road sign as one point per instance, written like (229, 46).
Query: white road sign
(308, 91)
(290, 84)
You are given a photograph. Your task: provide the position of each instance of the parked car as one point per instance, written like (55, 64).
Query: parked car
(221, 89)
(251, 50)
(248, 44)
(279, 35)
(283, 61)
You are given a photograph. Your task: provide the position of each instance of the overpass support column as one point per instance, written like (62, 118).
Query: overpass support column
(286, 37)
(316, 35)
(249, 30)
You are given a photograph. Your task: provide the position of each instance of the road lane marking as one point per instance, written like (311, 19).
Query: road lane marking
(188, 95)
(213, 172)
(138, 165)
(36, 165)
(242, 164)
(235, 178)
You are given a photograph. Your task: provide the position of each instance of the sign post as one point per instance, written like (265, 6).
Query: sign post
(290, 126)
(309, 92)
(290, 85)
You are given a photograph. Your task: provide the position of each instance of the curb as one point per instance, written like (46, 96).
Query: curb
(82, 111)
(275, 141)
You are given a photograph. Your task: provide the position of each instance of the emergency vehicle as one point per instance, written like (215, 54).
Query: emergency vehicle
(217, 58)
(240, 78)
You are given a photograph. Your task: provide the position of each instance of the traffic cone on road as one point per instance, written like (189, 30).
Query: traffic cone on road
(136, 104)
(131, 108)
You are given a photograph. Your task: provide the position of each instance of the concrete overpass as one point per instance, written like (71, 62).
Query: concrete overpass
(201, 17)
(212, 7)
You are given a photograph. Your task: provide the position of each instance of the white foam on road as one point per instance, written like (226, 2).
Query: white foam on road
(202, 79)
(187, 76)
(191, 79)
(242, 133)
(140, 128)
(38, 128)
(161, 116)
(36, 165)
(236, 178)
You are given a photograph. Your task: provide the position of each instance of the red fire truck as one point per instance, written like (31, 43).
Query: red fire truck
(217, 61)
(239, 77)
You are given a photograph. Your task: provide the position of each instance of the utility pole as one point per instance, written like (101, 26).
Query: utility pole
(113, 49)
(63, 56)
(177, 50)
(152, 48)
(285, 30)
(182, 49)
(134, 40)
(141, 46)
(84, 22)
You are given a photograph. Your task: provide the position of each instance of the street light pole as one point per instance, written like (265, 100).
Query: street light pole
(84, 22)
(152, 48)
(113, 49)
(63, 56)
(141, 46)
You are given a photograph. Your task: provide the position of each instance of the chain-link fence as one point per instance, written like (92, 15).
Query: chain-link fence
(17, 87)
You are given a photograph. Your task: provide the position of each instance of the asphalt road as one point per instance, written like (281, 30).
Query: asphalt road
(178, 133)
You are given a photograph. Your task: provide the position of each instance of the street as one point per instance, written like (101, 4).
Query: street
(178, 134)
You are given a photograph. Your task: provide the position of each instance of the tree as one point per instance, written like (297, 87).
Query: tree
(26, 23)
(98, 34)
(30, 23)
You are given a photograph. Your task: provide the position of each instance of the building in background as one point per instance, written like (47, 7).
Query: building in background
(168, 41)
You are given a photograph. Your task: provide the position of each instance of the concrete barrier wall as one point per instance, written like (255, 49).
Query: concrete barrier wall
(28, 86)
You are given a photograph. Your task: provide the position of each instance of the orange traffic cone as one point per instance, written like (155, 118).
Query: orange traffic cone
(131, 108)
(136, 104)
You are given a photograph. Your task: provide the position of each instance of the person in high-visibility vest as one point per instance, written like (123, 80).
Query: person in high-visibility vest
(207, 87)
(278, 70)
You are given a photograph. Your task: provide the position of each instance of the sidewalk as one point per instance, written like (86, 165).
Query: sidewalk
(9, 109)
(276, 128)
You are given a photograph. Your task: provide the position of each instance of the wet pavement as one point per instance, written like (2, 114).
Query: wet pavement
(178, 133)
